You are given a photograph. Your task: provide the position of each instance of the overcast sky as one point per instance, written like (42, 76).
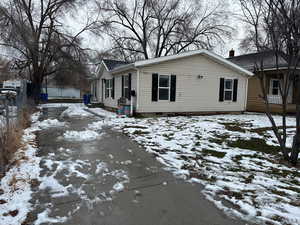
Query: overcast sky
(78, 20)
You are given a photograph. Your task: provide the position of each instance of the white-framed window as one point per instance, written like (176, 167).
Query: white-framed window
(108, 88)
(274, 86)
(164, 87)
(126, 86)
(228, 89)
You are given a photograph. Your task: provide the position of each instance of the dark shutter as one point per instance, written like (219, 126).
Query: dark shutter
(154, 87)
(235, 89)
(123, 86)
(173, 88)
(113, 89)
(221, 91)
(103, 90)
(129, 86)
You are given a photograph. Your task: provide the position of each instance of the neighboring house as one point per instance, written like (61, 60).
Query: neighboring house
(255, 102)
(187, 83)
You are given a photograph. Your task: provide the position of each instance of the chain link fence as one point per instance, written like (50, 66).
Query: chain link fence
(13, 102)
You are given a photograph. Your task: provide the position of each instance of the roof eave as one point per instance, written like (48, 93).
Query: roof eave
(122, 68)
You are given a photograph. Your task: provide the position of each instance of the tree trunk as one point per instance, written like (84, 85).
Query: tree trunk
(36, 88)
(296, 140)
(37, 92)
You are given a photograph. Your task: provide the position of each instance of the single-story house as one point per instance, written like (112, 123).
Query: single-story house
(188, 83)
(255, 102)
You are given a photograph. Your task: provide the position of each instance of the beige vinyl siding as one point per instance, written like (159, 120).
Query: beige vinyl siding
(192, 94)
(113, 103)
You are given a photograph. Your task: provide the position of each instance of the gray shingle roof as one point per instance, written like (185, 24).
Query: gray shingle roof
(249, 61)
(112, 64)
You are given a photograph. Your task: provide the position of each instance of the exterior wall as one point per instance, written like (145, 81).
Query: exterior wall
(256, 104)
(109, 102)
(192, 94)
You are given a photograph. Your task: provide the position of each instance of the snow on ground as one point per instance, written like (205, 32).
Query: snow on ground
(235, 157)
(44, 218)
(76, 110)
(50, 123)
(16, 184)
(86, 135)
(103, 113)
(58, 105)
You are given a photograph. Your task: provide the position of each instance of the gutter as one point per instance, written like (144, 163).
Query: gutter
(123, 68)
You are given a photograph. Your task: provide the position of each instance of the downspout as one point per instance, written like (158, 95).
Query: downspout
(137, 90)
(246, 94)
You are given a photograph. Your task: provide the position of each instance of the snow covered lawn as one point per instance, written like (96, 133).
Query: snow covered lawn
(234, 156)
(16, 184)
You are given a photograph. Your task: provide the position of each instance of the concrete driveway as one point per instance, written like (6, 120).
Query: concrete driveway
(111, 181)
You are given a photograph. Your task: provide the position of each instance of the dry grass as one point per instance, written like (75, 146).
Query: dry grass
(11, 139)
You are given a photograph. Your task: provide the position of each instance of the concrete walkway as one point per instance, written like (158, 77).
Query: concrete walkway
(151, 196)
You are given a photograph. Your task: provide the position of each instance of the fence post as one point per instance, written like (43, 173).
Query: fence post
(7, 114)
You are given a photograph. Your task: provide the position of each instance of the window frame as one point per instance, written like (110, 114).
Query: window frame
(228, 89)
(126, 86)
(108, 88)
(272, 86)
(159, 87)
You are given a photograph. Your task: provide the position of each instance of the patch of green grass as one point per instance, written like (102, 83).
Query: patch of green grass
(262, 130)
(169, 137)
(237, 169)
(216, 140)
(198, 137)
(283, 173)
(235, 127)
(277, 218)
(202, 176)
(255, 144)
(249, 179)
(277, 192)
(134, 126)
(213, 153)
(197, 143)
(232, 194)
(183, 145)
(296, 182)
(237, 158)
(140, 132)
(297, 190)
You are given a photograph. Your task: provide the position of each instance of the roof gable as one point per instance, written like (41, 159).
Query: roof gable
(112, 64)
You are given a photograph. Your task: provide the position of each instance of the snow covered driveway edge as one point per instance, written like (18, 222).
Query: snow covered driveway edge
(16, 184)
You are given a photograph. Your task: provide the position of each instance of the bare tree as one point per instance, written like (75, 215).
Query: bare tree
(281, 23)
(253, 14)
(154, 28)
(34, 33)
